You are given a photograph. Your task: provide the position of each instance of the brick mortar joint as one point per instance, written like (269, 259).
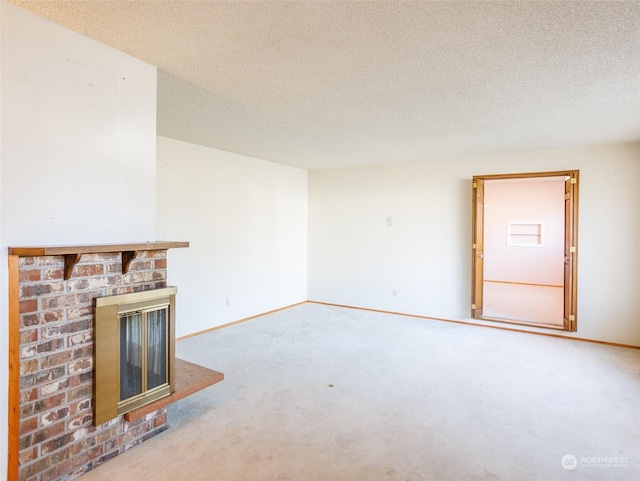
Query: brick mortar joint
(125, 278)
(121, 429)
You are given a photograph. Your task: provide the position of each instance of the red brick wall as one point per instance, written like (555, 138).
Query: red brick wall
(57, 438)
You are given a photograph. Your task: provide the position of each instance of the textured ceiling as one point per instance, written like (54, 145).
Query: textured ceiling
(331, 84)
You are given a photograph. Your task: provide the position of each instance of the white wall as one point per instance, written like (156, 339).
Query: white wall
(524, 200)
(79, 137)
(4, 312)
(246, 221)
(78, 147)
(355, 259)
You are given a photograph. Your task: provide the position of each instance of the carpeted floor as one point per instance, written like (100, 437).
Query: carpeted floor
(325, 393)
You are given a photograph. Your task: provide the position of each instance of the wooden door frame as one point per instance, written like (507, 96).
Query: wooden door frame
(477, 270)
(571, 248)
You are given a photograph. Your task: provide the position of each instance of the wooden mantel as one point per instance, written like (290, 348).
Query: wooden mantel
(72, 253)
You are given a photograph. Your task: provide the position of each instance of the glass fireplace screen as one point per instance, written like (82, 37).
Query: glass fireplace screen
(143, 351)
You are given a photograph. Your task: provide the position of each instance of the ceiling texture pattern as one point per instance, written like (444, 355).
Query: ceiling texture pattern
(333, 84)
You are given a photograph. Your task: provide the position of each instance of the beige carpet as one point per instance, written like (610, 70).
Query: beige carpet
(522, 302)
(334, 394)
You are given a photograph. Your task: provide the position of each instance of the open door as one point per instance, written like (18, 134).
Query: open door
(477, 271)
(569, 307)
(570, 251)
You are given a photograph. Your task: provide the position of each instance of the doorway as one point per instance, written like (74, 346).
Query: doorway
(525, 248)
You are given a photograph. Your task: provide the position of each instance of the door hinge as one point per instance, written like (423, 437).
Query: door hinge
(572, 249)
(573, 180)
(572, 318)
(473, 306)
(474, 246)
(475, 185)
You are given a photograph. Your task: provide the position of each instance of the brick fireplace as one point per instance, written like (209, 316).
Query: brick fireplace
(52, 320)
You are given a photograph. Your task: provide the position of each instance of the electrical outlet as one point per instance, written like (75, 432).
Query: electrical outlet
(395, 293)
(226, 301)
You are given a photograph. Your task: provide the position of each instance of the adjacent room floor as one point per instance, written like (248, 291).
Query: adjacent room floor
(326, 393)
(523, 302)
